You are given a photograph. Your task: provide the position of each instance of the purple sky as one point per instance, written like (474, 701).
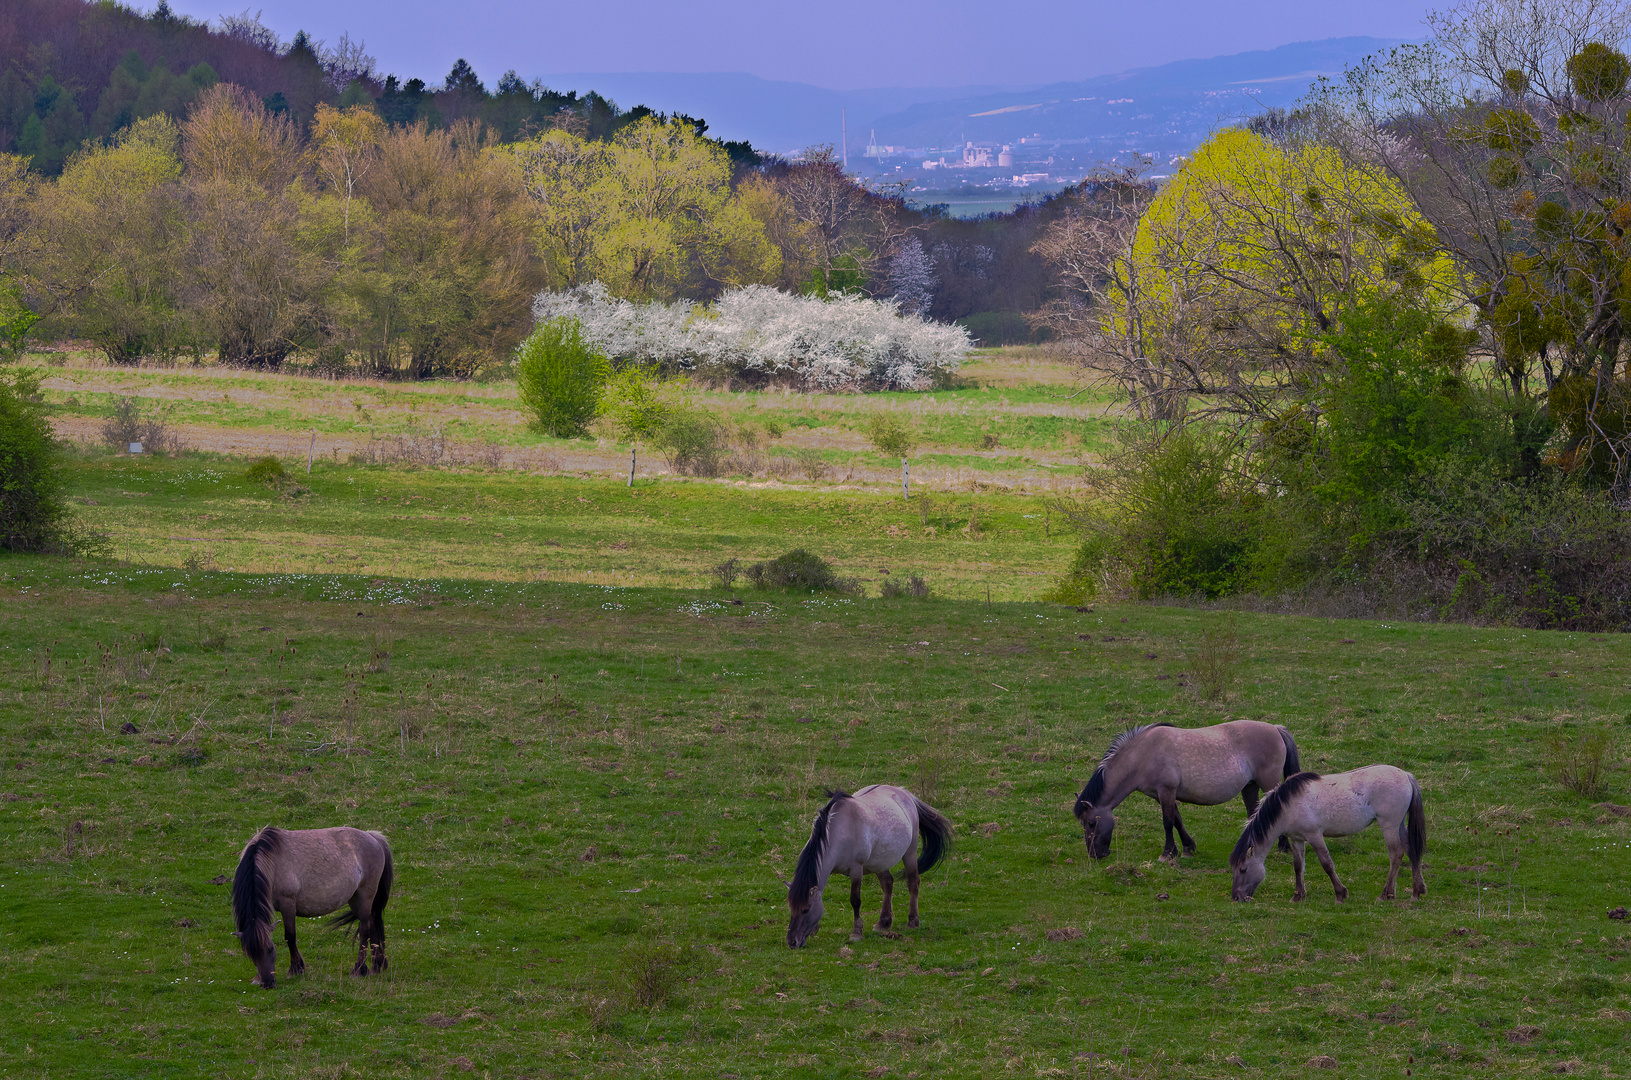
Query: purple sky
(840, 44)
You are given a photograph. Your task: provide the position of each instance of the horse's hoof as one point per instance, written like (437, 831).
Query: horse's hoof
(1342, 897)
(911, 924)
(855, 937)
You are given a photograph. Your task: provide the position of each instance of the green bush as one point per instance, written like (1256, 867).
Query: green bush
(268, 470)
(560, 377)
(993, 328)
(797, 571)
(891, 435)
(695, 442)
(33, 512)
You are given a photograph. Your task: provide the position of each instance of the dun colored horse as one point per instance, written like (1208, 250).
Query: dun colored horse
(1309, 807)
(311, 872)
(860, 834)
(1202, 766)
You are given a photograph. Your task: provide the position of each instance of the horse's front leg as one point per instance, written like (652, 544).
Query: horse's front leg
(1297, 864)
(1248, 795)
(855, 902)
(1317, 842)
(297, 963)
(1171, 820)
(886, 917)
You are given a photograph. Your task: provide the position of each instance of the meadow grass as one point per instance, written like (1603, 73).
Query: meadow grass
(201, 511)
(595, 793)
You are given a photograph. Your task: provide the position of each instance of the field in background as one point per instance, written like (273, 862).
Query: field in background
(1024, 422)
(594, 794)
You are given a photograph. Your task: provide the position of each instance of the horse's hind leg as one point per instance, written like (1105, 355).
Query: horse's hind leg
(886, 917)
(297, 963)
(911, 888)
(1317, 842)
(376, 940)
(855, 903)
(1298, 863)
(1395, 856)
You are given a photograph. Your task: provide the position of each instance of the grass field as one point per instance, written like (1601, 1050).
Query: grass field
(1021, 419)
(594, 794)
(596, 771)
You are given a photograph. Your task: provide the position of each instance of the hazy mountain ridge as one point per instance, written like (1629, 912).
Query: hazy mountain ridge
(1164, 109)
(1174, 105)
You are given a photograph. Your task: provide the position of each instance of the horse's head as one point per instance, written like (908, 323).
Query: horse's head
(1097, 825)
(257, 945)
(804, 916)
(1249, 871)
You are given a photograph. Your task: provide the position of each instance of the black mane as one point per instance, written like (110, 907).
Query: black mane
(1269, 812)
(251, 899)
(808, 873)
(1094, 790)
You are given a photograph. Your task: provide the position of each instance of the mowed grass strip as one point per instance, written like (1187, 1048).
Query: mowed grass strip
(594, 795)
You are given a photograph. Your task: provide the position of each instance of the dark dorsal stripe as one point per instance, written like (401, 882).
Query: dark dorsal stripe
(1094, 791)
(808, 873)
(251, 899)
(1269, 812)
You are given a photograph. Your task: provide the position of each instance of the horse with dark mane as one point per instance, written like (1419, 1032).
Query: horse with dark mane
(865, 833)
(1309, 807)
(1201, 766)
(311, 872)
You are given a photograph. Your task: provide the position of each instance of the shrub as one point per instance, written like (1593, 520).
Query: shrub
(559, 377)
(891, 435)
(726, 573)
(992, 328)
(131, 423)
(33, 513)
(695, 442)
(913, 586)
(797, 571)
(1214, 662)
(268, 470)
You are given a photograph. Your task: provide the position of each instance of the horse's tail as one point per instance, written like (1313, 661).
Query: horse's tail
(251, 895)
(936, 830)
(1415, 831)
(1293, 764)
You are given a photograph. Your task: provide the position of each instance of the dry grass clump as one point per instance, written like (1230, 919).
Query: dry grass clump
(131, 423)
(1213, 663)
(1578, 760)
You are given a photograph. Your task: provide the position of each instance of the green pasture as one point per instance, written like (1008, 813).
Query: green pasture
(199, 511)
(594, 793)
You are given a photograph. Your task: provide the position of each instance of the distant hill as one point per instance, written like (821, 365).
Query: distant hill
(778, 116)
(1165, 110)
(1171, 108)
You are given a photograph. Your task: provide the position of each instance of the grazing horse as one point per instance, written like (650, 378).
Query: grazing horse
(1309, 807)
(311, 872)
(1202, 766)
(860, 834)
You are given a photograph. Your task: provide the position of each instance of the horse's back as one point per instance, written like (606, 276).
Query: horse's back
(1350, 801)
(1212, 764)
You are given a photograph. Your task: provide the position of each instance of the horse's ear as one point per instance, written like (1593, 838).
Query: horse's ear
(1250, 848)
(239, 934)
(814, 889)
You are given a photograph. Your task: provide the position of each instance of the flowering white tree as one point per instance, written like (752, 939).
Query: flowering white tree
(911, 277)
(765, 335)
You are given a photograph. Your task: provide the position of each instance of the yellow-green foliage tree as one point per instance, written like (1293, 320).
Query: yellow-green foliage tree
(651, 214)
(1223, 297)
(110, 233)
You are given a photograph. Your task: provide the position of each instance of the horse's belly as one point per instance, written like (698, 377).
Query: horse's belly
(1208, 787)
(330, 895)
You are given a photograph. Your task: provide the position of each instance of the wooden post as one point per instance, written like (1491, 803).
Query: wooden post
(905, 481)
(631, 465)
(311, 451)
